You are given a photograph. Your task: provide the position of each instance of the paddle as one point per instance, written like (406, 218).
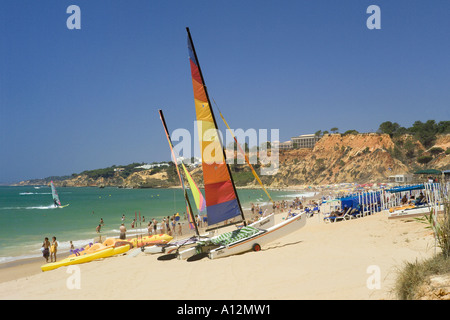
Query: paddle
(198, 256)
(169, 256)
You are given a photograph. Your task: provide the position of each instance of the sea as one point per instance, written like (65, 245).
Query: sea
(27, 214)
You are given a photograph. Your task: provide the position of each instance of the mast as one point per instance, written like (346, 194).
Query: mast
(191, 46)
(186, 198)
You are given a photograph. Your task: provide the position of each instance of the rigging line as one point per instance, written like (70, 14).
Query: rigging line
(243, 153)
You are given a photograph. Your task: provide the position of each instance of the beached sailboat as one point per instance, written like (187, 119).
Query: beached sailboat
(222, 201)
(55, 196)
(172, 248)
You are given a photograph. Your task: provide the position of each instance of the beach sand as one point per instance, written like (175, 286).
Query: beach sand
(320, 261)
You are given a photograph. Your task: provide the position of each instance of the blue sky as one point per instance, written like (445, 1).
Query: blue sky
(72, 100)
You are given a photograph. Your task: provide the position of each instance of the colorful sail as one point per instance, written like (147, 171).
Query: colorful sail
(222, 202)
(55, 194)
(198, 197)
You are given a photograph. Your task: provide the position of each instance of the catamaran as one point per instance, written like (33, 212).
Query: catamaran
(56, 201)
(172, 248)
(222, 201)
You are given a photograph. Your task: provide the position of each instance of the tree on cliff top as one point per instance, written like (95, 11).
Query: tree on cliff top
(425, 132)
(391, 128)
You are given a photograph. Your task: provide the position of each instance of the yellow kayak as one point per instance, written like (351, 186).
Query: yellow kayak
(406, 206)
(139, 241)
(103, 253)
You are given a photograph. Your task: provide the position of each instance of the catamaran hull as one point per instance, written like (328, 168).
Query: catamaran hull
(257, 241)
(266, 222)
(168, 248)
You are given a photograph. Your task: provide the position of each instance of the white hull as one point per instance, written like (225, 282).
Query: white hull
(265, 222)
(415, 212)
(266, 235)
(164, 249)
(260, 239)
(153, 249)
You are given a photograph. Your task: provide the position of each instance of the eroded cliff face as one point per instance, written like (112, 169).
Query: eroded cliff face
(442, 161)
(336, 158)
(143, 179)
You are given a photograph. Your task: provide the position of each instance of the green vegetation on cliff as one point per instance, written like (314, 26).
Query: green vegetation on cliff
(123, 171)
(425, 132)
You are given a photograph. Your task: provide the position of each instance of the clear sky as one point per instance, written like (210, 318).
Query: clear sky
(73, 100)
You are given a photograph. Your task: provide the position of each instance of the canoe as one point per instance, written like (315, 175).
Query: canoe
(120, 249)
(404, 207)
(87, 257)
(139, 241)
(150, 240)
(91, 248)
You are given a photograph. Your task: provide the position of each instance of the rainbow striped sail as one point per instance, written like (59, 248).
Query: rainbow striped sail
(222, 202)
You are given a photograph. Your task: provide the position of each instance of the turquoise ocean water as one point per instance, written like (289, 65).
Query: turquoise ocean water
(27, 214)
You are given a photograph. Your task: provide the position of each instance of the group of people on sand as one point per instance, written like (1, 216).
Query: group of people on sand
(168, 225)
(50, 249)
(413, 200)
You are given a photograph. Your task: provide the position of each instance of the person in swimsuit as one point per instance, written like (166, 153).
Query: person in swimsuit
(53, 249)
(123, 231)
(154, 226)
(46, 250)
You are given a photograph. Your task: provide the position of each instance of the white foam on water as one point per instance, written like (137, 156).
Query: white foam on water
(32, 193)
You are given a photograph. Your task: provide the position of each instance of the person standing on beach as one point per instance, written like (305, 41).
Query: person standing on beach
(46, 250)
(149, 227)
(53, 249)
(174, 224)
(155, 225)
(169, 232)
(123, 231)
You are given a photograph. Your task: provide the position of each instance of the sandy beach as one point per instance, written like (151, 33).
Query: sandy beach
(320, 261)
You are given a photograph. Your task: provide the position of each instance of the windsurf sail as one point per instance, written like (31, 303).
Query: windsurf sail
(195, 191)
(55, 194)
(222, 202)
